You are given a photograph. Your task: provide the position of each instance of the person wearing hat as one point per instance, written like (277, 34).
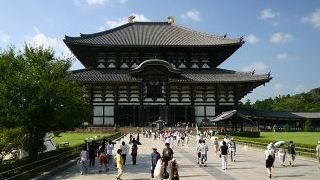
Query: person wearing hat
(318, 152)
(155, 156)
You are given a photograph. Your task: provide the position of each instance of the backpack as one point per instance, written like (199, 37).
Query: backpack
(292, 149)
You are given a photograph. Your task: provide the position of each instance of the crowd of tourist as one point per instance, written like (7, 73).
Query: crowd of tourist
(164, 165)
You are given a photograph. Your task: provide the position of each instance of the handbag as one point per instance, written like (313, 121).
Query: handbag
(165, 174)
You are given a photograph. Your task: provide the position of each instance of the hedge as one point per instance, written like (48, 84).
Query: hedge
(302, 149)
(252, 134)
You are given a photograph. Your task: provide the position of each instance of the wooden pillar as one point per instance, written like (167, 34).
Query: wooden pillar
(217, 95)
(90, 94)
(141, 93)
(193, 93)
(147, 114)
(235, 96)
(167, 86)
(134, 115)
(185, 114)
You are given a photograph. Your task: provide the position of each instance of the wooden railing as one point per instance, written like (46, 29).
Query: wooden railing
(27, 171)
(305, 152)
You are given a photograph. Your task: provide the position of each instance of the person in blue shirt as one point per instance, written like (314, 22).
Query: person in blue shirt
(155, 156)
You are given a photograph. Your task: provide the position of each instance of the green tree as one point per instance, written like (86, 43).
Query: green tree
(308, 125)
(37, 95)
(247, 104)
(286, 127)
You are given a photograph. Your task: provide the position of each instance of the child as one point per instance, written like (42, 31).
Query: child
(175, 173)
(102, 159)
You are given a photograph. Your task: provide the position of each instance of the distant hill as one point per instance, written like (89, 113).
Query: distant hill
(307, 102)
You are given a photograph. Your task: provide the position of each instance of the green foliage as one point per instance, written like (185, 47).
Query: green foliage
(286, 127)
(10, 139)
(307, 126)
(37, 95)
(307, 102)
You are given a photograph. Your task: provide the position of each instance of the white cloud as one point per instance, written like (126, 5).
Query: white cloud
(313, 19)
(101, 2)
(40, 39)
(192, 14)
(252, 39)
(258, 67)
(280, 37)
(4, 38)
(121, 21)
(268, 14)
(282, 56)
(95, 2)
(299, 89)
(279, 89)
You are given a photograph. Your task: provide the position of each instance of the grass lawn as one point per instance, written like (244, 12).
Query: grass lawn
(76, 138)
(297, 137)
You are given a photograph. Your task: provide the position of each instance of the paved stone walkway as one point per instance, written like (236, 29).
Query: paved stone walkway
(250, 164)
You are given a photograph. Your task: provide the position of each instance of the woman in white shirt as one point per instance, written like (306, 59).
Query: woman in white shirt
(83, 162)
(269, 156)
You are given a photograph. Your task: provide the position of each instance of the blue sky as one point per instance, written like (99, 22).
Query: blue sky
(281, 36)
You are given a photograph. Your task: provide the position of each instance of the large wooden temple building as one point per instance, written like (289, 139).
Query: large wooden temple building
(142, 71)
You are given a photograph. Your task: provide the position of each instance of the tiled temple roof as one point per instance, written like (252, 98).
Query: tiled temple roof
(193, 76)
(151, 34)
(280, 114)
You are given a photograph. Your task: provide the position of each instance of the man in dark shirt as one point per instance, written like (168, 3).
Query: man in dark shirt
(155, 156)
(167, 152)
(224, 153)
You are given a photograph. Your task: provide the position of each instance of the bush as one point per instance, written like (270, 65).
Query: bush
(307, 126)
(254, 134)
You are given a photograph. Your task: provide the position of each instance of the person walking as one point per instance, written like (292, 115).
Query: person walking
(174, 174)
(318, 152)
(292, 153)
(134, 153)
(160, 168)
(216, 145)
(92, 153)
(155, 156)
(232, 149)
(109, 149)
(102, 159)
(204, 153)
(124, 150)
(119, 163)
(224, 153)
(167, 152)
(269, 156)
(83, 162)
(282, 154)
(199, 146)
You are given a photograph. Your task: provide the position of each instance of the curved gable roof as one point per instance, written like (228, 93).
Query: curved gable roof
(151, 34)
